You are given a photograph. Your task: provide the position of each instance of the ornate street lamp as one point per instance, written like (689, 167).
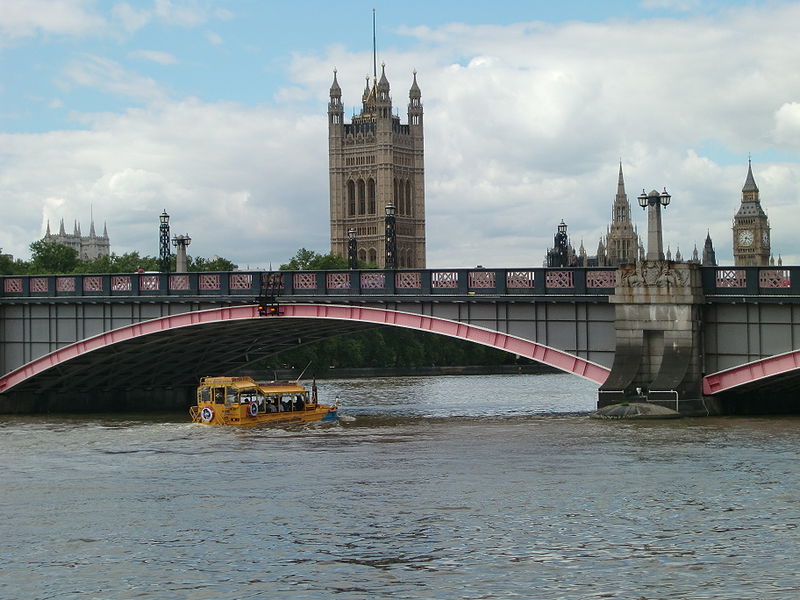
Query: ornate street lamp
(163, 230)
(653, 202)
(180, 242)
(352, 259)
(391, 239)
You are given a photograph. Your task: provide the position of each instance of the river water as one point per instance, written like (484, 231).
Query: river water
(441, 487)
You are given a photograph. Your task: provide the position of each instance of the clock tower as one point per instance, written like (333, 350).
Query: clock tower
(751, 246)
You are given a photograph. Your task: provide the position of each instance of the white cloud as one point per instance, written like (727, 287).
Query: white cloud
(109, 76)
(525, 125)
(63, 17)
(213, 38)
(162, 58)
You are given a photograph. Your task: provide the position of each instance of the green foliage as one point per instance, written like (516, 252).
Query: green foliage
(212, 264)
(49, 257)
(308, 260)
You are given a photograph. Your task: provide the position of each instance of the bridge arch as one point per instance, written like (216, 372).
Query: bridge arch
(780, 365)
(223, 321)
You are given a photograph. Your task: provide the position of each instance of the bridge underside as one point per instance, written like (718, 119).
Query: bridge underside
(160, 371)
(779, 394)
(157, 363)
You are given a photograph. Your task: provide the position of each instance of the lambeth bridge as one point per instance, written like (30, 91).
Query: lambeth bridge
(698, 339)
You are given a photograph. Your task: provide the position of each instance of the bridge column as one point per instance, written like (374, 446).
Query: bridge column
(658, 354)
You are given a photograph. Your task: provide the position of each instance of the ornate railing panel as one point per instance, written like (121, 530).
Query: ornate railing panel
(560, 280)
(601, 279)
(337, 281)
(93, 283)
(121, 283)
(373, 280)
(408, 280)
(179, 283)
(39, 285)
(482, 280)
(12, 285)
(304, 281)
(208, 282)
(65, 284)
(444, 280)
(731, 278)
(520, 280)
(240, 281)
(774, 278)
(149, 283)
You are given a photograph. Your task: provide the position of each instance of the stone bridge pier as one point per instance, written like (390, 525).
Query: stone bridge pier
(659, 347)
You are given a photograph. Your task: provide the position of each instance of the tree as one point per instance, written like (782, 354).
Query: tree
(50, 257)
(213, 264)
(308, 260)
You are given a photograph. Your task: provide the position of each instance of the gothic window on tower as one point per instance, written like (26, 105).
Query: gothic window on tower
(408, 198)
(351, 198)
(371, 195)
(362, 200)
(373, 256)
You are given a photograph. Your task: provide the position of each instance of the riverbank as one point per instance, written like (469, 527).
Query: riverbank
(432, 371)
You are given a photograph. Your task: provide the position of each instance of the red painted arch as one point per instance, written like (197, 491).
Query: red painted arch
(495, 339)
(754, 371)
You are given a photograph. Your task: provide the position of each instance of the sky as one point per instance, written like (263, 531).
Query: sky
(215, 111)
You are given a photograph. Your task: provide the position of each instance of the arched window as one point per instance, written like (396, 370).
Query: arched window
(362, 255)
(351, 198)
(371, 196)
(409, 210)
(395, 193)
(373, 256)
(362, 200)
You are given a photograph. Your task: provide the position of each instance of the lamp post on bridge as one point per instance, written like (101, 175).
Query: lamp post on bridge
(163, 230)
(180, 242)
(352, 259)
(653, 202)
(391, 238)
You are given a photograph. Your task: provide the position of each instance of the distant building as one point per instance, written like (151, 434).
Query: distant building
(375, 162)
(621, 244)
(561, 254)
(88, 247)
(751, 243)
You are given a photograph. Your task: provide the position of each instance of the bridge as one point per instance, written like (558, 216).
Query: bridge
(699, 339)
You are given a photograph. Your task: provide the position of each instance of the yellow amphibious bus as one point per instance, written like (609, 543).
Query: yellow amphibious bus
(243, 401)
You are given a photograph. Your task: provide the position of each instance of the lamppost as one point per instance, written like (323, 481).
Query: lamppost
(164, 241)
(391, 239)
(180, 242)
(352, 259)
(653, 202)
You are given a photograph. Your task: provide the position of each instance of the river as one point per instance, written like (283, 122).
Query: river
(467, 487)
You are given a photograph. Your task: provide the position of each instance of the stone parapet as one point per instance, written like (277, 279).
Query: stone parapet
(658, 282)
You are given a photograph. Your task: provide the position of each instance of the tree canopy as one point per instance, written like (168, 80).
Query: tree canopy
(51, 258)
(309, 260)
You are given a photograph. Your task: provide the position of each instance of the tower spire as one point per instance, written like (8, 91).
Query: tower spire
(374, 48)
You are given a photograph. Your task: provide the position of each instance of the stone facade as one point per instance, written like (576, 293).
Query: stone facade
(376, 161)
(658, 319)
(621, 244)
(88, 247)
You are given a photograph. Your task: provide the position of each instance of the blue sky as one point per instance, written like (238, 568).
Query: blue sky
(216, 112)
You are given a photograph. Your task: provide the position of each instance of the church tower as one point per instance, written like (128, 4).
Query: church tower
(751, 245)
(375, 162)
(622, 241)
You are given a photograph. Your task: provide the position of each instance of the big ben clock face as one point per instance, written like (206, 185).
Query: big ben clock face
(745, 237)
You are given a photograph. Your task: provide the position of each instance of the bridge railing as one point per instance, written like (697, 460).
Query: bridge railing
(751, 281)
(599, 281)
(590, 281)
